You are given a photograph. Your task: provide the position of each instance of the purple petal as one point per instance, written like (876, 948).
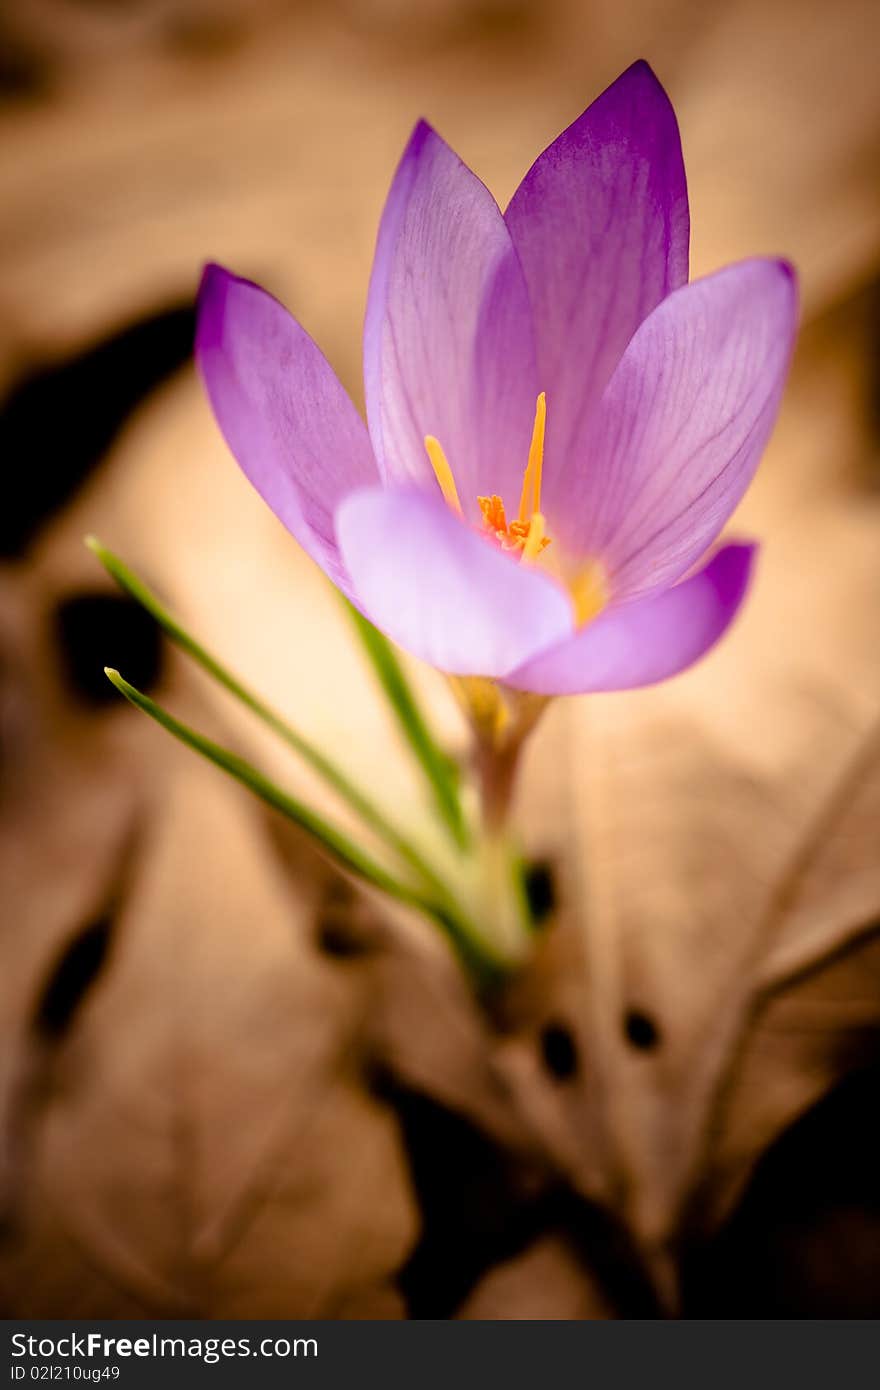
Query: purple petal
(448, 346)
(648, 639)
(681, 427)
(601, 225)
(442, 591)
(283, 413)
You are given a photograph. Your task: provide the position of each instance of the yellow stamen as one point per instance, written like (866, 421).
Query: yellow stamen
(589, 591)
(530, 500)
(442, 472)
(535, 539)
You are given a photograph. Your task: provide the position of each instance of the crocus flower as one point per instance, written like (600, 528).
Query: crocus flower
(559, 423)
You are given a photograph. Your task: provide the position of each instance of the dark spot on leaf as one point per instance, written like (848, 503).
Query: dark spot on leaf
(71, 978)
(540, 889)
(343, 939)
(99, 629)
(347, 926)
(640, 1030)
(558, 1051)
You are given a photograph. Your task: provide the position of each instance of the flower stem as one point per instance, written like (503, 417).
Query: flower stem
(501, 720)
(496, 770)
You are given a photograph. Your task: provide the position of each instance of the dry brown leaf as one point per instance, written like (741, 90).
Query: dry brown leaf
(546, 1283)
(222, 1154)
(188, 1126)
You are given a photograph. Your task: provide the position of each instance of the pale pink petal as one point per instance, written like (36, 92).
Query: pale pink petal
(648, 639)
(441, 590)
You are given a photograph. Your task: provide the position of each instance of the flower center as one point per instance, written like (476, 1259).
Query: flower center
(526, 537)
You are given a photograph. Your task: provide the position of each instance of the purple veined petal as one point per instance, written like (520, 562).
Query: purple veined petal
(601, 225)
(442, 591)
(648, 639)
(283, 412)
(448, 344)
(681, 427)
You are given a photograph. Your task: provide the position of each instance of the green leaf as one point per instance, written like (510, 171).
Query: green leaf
(359, 801)
(475, 954)
(439, 769)
(339, 845)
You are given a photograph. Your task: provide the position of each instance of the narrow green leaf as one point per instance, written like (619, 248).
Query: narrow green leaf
(475, 954)
(348, 791)
(438, 768)
(335, 841)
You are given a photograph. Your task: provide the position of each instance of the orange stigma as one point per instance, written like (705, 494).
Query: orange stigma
(526, 537)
